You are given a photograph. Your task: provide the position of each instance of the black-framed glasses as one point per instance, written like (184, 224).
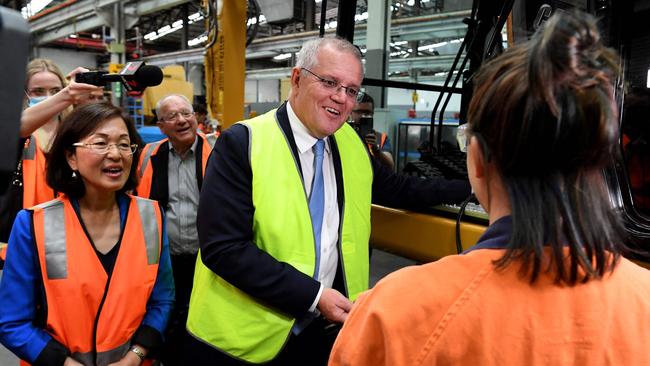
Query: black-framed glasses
(334, 86)
(173, 117)
(102, 148)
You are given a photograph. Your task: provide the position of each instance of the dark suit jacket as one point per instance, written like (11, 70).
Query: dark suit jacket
(226, 215)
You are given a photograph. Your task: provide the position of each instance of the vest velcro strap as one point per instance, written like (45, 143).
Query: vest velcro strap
(103, 358)
(56, 258)
(150, 228)
(29, 152)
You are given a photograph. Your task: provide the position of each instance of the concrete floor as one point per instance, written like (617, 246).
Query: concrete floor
(381, 264)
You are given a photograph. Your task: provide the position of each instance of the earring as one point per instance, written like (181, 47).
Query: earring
(74, 174)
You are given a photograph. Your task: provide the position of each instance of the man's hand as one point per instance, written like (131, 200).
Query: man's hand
(371, 140)
(334, 306)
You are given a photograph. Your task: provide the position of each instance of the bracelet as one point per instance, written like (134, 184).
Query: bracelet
(138, 351)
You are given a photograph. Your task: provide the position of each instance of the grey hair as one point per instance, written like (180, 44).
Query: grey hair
(163, 99)
(307, 57)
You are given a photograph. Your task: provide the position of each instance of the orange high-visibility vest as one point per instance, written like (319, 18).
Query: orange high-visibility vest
(382, 140)
(145, 170)
(35, 188)
(90, 313)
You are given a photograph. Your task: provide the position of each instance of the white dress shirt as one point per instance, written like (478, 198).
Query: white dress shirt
(329, 255)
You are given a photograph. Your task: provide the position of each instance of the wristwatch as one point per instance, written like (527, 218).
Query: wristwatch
(138, 351)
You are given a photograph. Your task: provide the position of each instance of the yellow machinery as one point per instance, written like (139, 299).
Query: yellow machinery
(173, 83)
(225, 64)
(418, 236)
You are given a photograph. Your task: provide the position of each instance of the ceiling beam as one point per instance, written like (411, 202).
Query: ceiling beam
(87, 14)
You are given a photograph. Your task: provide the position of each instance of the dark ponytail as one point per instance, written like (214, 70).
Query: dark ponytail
(549, 136)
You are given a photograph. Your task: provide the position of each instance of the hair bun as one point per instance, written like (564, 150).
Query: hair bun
(568, 52)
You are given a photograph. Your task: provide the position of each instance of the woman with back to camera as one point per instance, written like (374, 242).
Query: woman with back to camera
(546, 284)
(88, 276)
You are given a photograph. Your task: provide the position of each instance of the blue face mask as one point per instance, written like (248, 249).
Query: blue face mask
(35, 100)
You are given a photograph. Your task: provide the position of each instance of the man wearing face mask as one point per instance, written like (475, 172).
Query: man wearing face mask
(47, 98)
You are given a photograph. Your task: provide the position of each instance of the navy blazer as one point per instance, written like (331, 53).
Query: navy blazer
(225, 219)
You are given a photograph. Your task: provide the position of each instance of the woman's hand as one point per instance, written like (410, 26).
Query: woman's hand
(70, 362)
(80, 93)
(130, 359)
(74, 94)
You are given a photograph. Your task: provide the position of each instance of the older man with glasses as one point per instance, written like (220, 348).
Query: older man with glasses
(284, 221)
(171, 172)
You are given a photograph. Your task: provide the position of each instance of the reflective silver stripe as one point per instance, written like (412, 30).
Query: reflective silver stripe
(149, 228)
(147, 156)
(56, 259)
(103, 358)
(212, 139)
(29, 151)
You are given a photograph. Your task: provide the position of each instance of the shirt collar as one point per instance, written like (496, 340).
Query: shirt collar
(192, 148)
(304, 141)
(496, 236)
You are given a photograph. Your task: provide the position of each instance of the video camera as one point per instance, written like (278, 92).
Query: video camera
(14, 36)
(136, 76)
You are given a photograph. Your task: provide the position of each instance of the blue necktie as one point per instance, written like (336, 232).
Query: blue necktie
(316, 208)
(317, 199)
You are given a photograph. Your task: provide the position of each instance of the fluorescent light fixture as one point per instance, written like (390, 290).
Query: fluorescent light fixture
(647, 84)
(331, 24)
(360, 17)
(34, 7)
(254, 20)
(197, 40)
(440, 44)
(282, 56)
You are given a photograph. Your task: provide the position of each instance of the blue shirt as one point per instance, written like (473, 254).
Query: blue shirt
(21, 282)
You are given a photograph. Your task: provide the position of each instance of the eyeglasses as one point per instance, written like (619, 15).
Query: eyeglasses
(41, 92)
(102, 148)
(462, 137)
(335, 86)
(173, 117)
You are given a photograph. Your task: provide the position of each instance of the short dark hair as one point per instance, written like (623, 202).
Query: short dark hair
(366, 98)
(549, 137)
(200, 108)
(82, 122)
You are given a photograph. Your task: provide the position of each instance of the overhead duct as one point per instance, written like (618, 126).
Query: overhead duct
(282, 11)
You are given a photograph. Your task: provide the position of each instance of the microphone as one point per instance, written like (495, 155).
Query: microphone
(136, 76)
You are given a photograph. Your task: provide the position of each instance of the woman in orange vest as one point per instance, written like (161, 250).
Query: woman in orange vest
(48, 98)
(547, 283)
(88, 278)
